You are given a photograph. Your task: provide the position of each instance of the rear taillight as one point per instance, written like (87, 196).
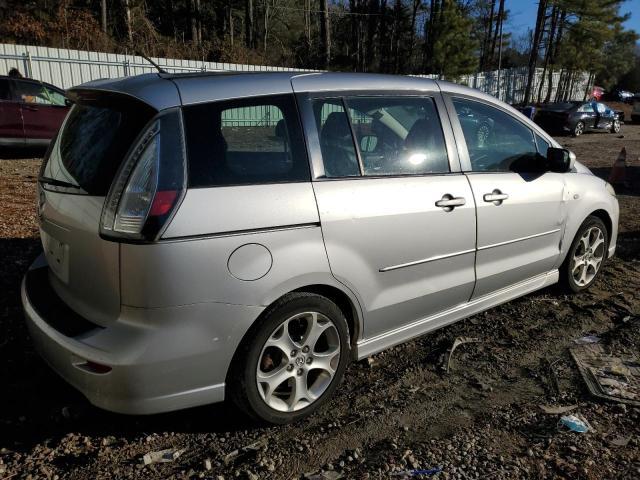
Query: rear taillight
(150, 183)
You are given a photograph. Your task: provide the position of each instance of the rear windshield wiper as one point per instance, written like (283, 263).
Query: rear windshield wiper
(58, 183)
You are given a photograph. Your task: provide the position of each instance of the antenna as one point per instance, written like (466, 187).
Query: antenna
(158, 67)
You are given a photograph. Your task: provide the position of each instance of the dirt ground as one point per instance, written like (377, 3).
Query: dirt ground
(397, 413)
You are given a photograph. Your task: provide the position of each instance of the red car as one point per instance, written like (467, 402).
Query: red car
(30, 112)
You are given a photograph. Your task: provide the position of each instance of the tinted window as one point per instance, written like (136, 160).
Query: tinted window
(93, 142)
(398, 136)
(241, 142)
(31, 92)
(336, 143)
(496, 141)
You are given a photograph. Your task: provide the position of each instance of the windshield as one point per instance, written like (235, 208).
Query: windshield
(92, 143)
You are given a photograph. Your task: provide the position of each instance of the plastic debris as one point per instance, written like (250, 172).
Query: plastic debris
(418, 473)
(162, 456)
(229, 457)
(575, 424)
(607, 376)
(557, 410)
(587, 339)
(620, 441)
(446, 358)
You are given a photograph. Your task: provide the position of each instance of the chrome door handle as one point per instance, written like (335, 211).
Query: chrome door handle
(449, 202)
(496, 197)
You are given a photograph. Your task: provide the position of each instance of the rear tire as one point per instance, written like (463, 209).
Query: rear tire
(292, 361)
(578, 129)
(586, 255)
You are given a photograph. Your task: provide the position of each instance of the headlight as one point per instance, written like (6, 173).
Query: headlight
(610, 189)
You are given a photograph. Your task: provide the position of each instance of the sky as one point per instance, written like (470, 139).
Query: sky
(523, 14)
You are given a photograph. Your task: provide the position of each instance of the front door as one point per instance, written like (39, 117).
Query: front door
(43, 111)
(520, 208)
(398, 220)
(11, 131)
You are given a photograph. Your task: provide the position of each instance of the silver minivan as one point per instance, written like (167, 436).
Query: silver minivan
(244, 236)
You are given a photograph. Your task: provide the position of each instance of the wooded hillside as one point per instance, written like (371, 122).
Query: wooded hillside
(443, 37)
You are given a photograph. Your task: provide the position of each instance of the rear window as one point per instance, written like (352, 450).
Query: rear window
(241, 142)
(93, 142)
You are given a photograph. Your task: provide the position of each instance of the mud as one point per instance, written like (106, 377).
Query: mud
(398, 414)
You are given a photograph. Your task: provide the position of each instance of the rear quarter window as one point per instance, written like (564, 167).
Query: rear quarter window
(241, 142)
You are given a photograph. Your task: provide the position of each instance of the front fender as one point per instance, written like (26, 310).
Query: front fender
(586, 194)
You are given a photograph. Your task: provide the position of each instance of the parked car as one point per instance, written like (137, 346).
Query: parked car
(618, 96)
(31, 112)
(576, 118)
(243, 236)
(635, 113)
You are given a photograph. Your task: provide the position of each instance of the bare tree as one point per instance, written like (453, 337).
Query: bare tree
(127, 19)
(248, 24)
(499, 21)
(103, 8)
(307, 21)
(533, 57)
(194, 16)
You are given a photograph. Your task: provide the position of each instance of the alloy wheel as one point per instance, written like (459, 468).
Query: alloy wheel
(616, 126)
(298, 361)
(588, 256)
(579, 128)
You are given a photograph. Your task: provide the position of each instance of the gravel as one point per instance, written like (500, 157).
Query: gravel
(395, 413)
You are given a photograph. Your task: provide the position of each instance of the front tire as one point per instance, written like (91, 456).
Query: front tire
(578, 129)
(292, 361)
(615, 127)
(586, 255)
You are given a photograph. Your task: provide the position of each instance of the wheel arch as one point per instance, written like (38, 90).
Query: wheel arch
(606, 219)
(344, 302)
(344, 299)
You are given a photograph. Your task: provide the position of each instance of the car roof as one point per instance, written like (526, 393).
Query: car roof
(30, 80)
(165, 90)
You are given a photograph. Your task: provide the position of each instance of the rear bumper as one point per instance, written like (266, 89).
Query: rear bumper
(161, 359)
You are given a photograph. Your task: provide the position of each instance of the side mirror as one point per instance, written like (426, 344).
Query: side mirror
(368, 143)
(68, 102)
(560, 160)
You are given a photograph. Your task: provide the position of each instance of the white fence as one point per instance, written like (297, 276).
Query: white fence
(66, 68)
(509, 85)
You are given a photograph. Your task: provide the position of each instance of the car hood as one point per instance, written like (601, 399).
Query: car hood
(580, 168)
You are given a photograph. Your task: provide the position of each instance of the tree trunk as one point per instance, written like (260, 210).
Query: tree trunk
(499, 19)
(103, 8)
(193, 20)
(548, 49)
(266, 26)
(230, 24)
(554, 52)
(307, 22)
(248, 24)
(533, 56)
(325, 33)
(485, 59)
(127, 20)
(412, 38)
(199, 20)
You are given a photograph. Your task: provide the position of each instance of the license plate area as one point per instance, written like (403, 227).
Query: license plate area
(57, 254)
